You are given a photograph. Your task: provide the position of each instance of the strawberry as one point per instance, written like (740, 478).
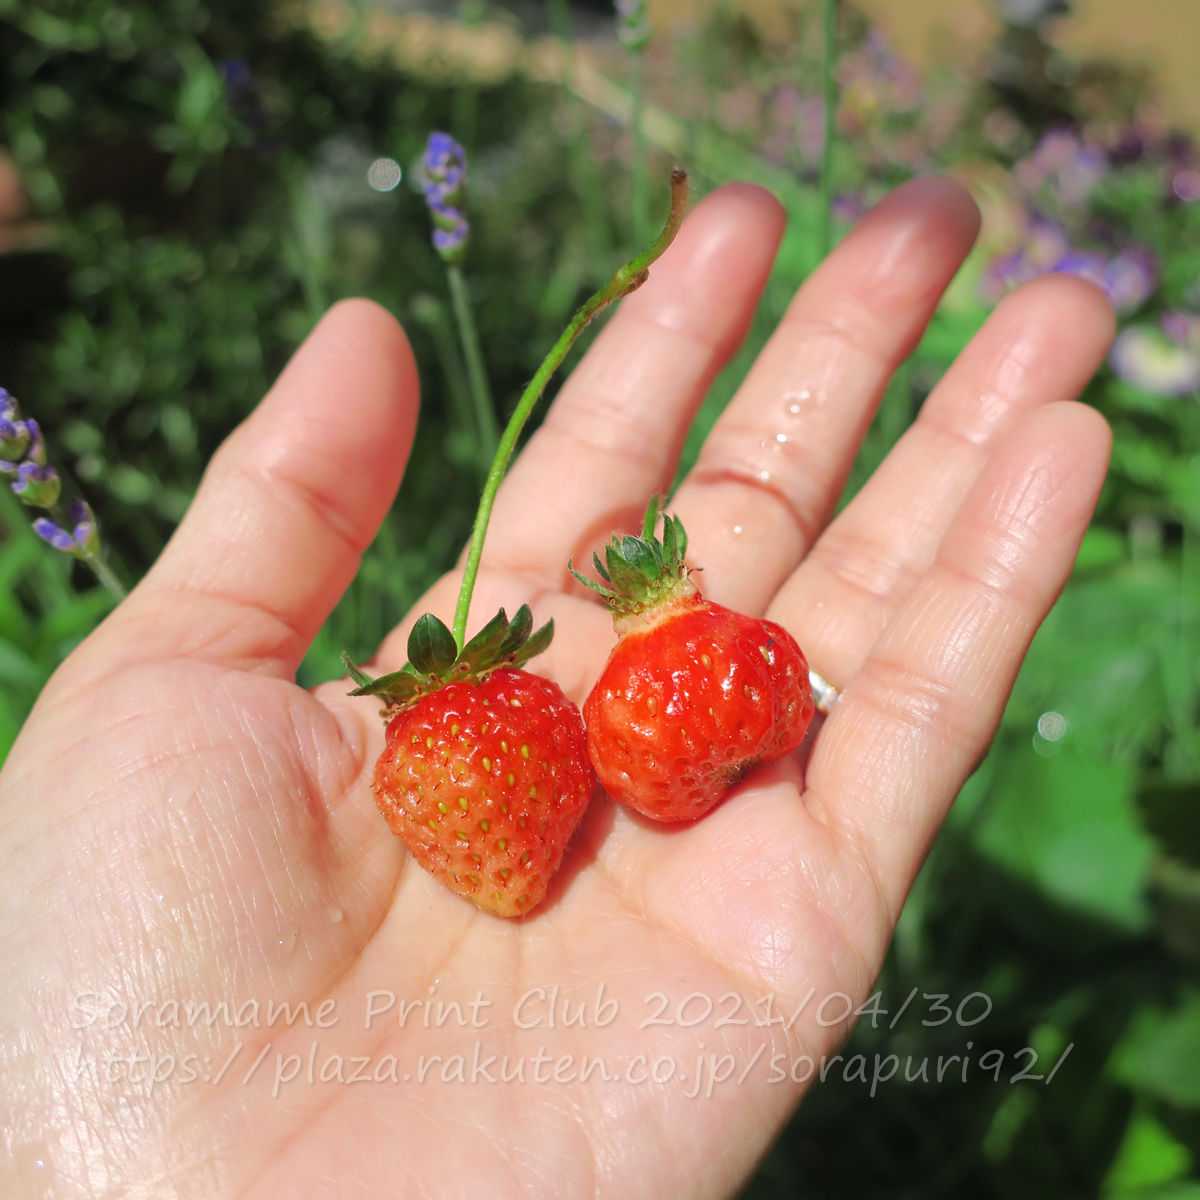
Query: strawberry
(694, 694)
(485, 772)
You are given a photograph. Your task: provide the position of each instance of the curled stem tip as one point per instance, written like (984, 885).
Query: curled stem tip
(627, 278)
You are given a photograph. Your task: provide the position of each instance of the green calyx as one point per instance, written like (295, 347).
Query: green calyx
(434, 659)
(642, 573)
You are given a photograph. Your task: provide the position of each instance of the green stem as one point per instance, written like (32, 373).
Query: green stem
(627, 278)
(481, 393)
(829, 93)
(105, 574)
(641, 220)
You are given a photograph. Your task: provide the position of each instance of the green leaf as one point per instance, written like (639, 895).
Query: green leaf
(626, 579)
(518, 632)
(535, 645)
(670, 549)
(397, 687)
(361, 678)
(650, 521)
(431, 646)
(1158, 1053)
(483, 648)
(1068, 825)
(1149, 1156)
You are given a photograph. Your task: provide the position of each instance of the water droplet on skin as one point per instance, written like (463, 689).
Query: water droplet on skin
(336, 915)
(794, 402)
(738, 530)
(782, 439)
(764, 476)
(287, 943)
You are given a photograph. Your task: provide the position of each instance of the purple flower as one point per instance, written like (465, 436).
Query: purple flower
(1143, 356)
(1063, 165)
(1185, 184)
(14, 436)
(1085, 264)
(848, 207)
(1183, 328)
(1006, 272)
(37, 485)
(1046, 241)
(1130, 278)
(77, 534)
(444, 173)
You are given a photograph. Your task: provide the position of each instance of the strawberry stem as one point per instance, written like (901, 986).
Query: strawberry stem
(628, 277)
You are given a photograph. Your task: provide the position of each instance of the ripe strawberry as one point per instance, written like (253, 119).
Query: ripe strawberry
(693, 695)
(485, 772)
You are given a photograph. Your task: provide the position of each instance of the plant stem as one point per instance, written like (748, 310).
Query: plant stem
(829, 93)
(481, 393)
(627, 278)
(637, 72)
(105, 574)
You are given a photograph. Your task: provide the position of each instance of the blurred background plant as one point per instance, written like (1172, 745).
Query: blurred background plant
(186, 186)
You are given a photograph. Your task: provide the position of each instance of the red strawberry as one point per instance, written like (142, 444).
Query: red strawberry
(693, 695)
(485, 773)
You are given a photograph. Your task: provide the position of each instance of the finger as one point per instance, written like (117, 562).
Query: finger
(614, 434)
(290, 501)
(770, 472)
(917, 717)
(1039, 347)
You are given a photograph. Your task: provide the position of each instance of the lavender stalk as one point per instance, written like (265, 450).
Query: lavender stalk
(68, 527)
(444, 168)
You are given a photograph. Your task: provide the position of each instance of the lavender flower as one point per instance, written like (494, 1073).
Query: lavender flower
(1143, 356)
(1065, 166)
(849, 207)
(78, 535)
(1130, 278)
(70, 529)
(444, 174)
(1185, 185)
(1006, 272)
(1183, 328)
(633, 24)
(1084, 264)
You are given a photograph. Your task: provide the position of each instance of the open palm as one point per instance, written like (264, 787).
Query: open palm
(181, 825)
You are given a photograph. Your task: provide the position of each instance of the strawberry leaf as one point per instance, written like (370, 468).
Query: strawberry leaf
(360, 677)
(535, 645)
(518, 632)
(484, 647)
(395, 688)
(643, 572)
(431, 646)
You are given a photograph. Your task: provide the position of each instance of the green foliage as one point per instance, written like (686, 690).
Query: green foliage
(196, 170)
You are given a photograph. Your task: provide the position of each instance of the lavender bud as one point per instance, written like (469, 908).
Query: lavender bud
(444, 168)
(633, 24)
(37, 485)
(14, 438)
(77, 536)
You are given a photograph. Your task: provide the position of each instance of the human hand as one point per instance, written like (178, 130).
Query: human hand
(179, 822)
